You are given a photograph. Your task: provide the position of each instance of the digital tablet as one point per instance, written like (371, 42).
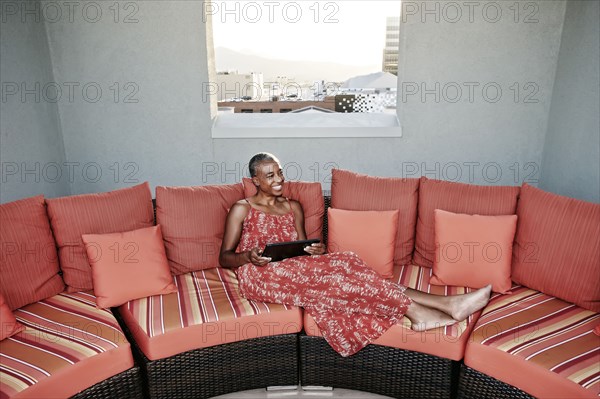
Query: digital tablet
(283, 250)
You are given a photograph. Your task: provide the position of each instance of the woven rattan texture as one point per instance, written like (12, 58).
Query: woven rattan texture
(476, 385)
(325, 230)
(378, 369)
(125, 385)
(239, 366)
(221, 369)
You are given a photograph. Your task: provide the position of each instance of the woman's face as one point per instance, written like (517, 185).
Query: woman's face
(269, 178)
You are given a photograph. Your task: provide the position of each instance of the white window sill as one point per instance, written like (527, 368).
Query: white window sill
(304, 125)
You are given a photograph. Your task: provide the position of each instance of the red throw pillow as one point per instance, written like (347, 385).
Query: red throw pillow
(473, 250)
(369, 234)
(28, 261)
(557, 247)
(457, 198)
(309, 195)
(8, 323)
(193, 223)
(121, 210)
(358, 192)
(128, 265)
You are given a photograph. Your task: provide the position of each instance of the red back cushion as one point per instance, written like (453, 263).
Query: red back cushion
(369, 234)
(116, 211)
(473, 250)
(309, 195)
(193, 223)
(557, 247)
(28, 261)
(357, 192)
(8, 323)
(119, 258)
(456, 198)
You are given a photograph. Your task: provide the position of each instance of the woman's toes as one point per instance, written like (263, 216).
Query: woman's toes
(467, 304)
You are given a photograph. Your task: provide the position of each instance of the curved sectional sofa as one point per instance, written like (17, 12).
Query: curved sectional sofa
(540, 339)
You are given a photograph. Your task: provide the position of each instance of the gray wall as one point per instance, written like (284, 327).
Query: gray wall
(158, 127)
(571, 164)
(160, 59)
(166, 135)
(31, 147)
(486, 141)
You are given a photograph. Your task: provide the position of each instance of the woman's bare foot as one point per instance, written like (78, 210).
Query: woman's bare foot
(462, 306)
(429, 311)
(423, 318)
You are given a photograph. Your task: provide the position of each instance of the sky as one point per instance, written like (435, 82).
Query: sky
(331, 31)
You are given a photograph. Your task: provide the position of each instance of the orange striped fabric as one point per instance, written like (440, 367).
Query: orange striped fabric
(456, 198)
(557, 247)
(113, 212)
(357, 192)
(28, 259)
(61, 332)
(544, 331)
(193, 223)
(8, 324)
(418, 278)
(208, 300)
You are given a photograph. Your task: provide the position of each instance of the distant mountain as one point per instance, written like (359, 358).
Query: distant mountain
(299, 71)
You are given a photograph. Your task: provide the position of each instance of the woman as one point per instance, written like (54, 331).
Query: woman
(351, 304)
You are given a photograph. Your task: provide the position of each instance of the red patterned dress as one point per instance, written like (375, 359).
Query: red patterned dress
(351, 304)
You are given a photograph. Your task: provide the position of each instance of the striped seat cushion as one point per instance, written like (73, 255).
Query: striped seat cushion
(206, 310)
(539, 344)
(68, 345)
(447, 342)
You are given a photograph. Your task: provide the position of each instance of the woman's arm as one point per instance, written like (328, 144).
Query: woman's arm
(314, 249)
(233, 231)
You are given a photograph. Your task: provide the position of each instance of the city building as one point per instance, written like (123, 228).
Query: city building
(269, 107)
(372, 93)
(392, 44)
(233, 85)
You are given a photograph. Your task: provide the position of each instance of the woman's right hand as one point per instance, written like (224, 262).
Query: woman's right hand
(256, 259)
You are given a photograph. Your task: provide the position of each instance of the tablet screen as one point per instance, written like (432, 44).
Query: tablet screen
(283, 250)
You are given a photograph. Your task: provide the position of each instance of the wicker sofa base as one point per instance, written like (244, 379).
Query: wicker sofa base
(221, 369)
(476, 385)
(125, 385)
(378, 369)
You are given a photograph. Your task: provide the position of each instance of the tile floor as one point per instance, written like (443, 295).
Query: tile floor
(299, 393)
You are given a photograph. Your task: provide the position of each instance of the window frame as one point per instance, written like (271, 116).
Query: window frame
(361, 125)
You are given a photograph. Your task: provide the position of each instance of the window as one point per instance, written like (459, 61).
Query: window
(301, 59)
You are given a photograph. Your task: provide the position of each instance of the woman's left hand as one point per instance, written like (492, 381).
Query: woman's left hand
(315, 249)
